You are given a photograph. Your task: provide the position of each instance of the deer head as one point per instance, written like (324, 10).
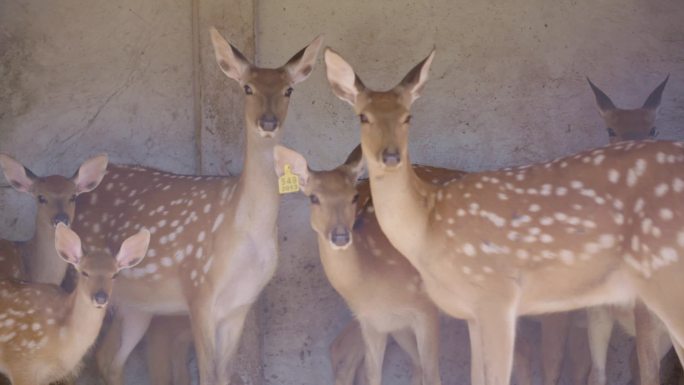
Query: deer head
(332, 193)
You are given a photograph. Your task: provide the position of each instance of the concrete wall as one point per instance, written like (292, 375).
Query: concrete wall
(507, 87)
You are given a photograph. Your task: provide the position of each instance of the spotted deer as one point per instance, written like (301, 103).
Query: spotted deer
(56, 198)
(214, 238)
(381, 288)
(44, 331)
(596, 228)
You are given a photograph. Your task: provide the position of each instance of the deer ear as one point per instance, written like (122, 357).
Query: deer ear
(414, 81)
(68, 244)
(283, 156)
(653, 100)
(133, 249)
(354, 165)
(231, 61)
(90, 174)
(603, 102)
(302, 63)
(20, 177)
(342, 78)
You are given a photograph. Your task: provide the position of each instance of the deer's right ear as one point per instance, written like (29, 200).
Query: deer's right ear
(343, 81)
(90, 174)
(231, 61)
(20, 177)
(653, 100)
(133, 250)
(603, 102)
(68, 244)
(283, 157)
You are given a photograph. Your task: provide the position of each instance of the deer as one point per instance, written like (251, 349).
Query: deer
(381, 288)
(56, 200)
(652, 337)
(45, 331)
(595, 228)
(215, 245)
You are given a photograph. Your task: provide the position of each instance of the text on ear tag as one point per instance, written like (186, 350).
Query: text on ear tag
(288, 182)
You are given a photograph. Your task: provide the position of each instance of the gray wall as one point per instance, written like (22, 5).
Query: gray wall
(507, 87)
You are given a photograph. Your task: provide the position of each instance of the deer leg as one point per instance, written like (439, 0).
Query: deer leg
(554, 333)
(228, 335)
(376, 343)
(134, 324)
(497, 336)
(647, 345)
(346, 354)
(407, 341)
(476, 359)
(599, 328)
(203, 332)
(427, 339)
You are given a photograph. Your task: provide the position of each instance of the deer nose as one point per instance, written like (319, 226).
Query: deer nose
(268, 122)
(391, 157)
(340, 236)
(60, 218)
(100, 298)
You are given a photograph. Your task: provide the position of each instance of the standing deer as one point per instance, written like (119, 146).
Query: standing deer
(56, 197)
(382, 289)
(596, 228)
(44, 331)
(214, 246)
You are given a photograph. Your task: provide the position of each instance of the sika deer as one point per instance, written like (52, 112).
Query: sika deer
(592, 229)
(56, 197)
(215, 247)
(44, 331)
(379, 285)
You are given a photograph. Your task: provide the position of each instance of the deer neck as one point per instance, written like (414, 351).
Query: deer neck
(84, 321)
(257, 189)
(43, 264)
(342, 267)
(402, 204)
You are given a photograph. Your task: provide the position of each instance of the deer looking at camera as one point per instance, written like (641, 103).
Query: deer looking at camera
(214, 238)
(381, 288)
(44, 331)
(56, 198)
(596, 228)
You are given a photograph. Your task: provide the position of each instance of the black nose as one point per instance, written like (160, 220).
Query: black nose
(391, 157)
(60, 218)
(340, 236)
(268, 122)
(100, 298)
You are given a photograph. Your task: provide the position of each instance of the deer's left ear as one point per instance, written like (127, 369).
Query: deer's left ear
(412, 84)
(603, 102)
(90, 174)
(653, 100)
(133, 250)
(302, 63)
(354, 165)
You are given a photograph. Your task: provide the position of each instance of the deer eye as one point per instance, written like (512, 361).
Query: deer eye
(363, 118)
(653, 133)
(248, 90)
(314, 199)
(611, 133)
(288, 92)
(355, 199)
(42, 200)
(408, 119)
(85, 274)
(73, 198)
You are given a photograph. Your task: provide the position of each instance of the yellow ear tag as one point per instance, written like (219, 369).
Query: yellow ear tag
(288, 182)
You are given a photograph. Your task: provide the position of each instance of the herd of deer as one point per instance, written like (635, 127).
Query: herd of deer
(603, 229)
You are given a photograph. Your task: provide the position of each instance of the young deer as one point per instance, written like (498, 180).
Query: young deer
(382, 289)
(652, 338)
(56, 197)
(44, 331)
(214, 246)
(592, 229)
